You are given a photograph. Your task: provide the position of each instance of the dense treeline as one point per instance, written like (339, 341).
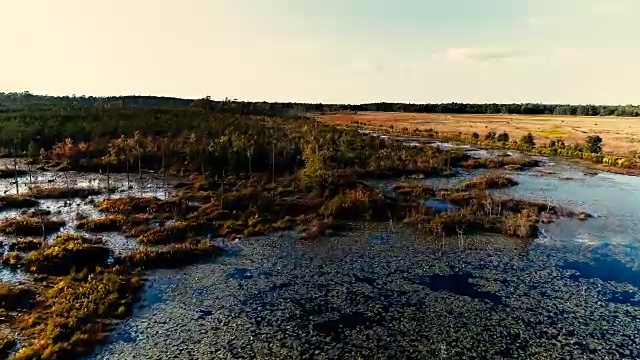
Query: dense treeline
(196, 140)
(26, 100)
(527, 109)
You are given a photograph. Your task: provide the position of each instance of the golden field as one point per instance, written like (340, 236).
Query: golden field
(621, 135)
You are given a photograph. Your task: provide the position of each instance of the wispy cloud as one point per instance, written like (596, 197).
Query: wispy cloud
(469, 54)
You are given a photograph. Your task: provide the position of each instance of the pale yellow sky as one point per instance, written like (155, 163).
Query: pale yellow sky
(578, 51)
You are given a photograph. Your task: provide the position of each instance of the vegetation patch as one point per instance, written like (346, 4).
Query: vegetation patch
(12, 259)
(39, 192)
(413, 191)
(15, 297)
(109, 223)
(182, 254)
(16, 202)
(173, 233)
(128, 205)
(7, 344)
(513, 162)
(66, 253)
(25, 245)
(7, 173)
(489, 181)
(29, 226)
(75, 313)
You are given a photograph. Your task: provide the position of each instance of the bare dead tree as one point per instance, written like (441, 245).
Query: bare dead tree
(550, 203)
(460, 231)
(222, 190)
(15, 165)
(164, 167)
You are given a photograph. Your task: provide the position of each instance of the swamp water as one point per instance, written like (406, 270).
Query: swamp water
(385, 293)
(69, 209)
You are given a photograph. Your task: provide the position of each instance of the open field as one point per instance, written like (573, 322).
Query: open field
(620, 135)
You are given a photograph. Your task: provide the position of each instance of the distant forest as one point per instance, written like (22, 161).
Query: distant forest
(25, 101)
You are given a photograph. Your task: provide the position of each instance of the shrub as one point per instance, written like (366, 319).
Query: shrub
(527, 142)
(523, 224)
(490, 136)
(350, 205)
(593, 144)
(503, 137)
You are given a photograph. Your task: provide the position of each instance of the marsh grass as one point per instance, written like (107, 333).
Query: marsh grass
(106, 224)
(75, 313)
(16, 202)
(39, 192)
(182, 254)
(173, 233)
(130, 206)
(12, 259)
(500, 162)
(68, 252)
(15, 297)
(488, 181)
(25, 245)
(29, 226)
(7, 173)
(7, 344)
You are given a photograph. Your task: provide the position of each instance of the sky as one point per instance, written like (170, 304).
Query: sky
(331, 51)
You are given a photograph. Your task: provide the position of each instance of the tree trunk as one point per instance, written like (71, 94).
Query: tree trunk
(139, 164)
(202, 164)
(15, 165)
(108, 184)
(128, 177)
(164, 168)
(222, 190)
(273, 163)
(44, 236)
